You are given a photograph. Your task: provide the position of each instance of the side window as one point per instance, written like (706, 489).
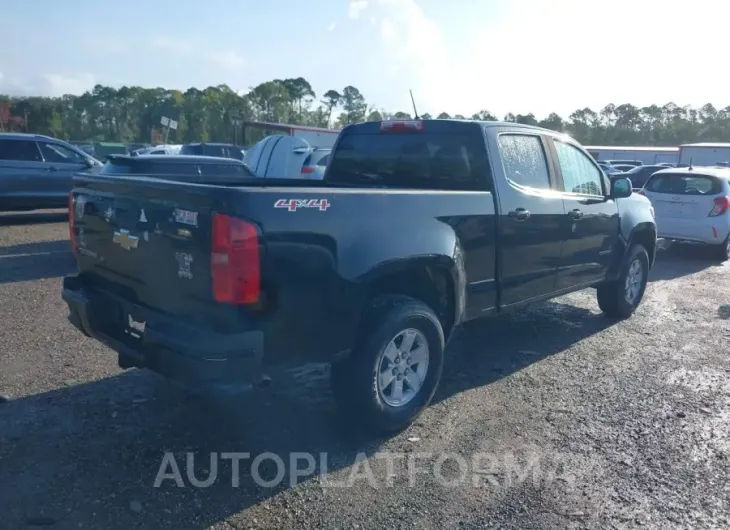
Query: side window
(59, 154)
(323, 161)
(24, 150)
(523, 158)
(579, 173)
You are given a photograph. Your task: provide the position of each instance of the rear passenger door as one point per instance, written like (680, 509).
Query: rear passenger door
(531, 216)
(591, 221)
(21, 169)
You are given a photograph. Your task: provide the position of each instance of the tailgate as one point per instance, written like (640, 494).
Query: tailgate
(147, 240)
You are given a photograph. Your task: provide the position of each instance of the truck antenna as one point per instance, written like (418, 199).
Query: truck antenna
(415, 112)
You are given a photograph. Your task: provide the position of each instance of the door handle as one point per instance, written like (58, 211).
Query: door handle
(575, 214)
(520, 214)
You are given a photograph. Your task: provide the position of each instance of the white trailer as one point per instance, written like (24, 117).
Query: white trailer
(704, 154)
(314, 136)
(646, 155)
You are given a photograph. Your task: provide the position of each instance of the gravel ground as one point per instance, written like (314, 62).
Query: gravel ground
(554, 417)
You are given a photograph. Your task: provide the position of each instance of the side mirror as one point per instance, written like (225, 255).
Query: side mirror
(620, 188)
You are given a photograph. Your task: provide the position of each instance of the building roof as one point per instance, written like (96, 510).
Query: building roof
(707, 144)
(710, 171)
(286, 127)
(631, 148)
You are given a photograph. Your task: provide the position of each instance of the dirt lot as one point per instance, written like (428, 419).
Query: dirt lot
(582, 422)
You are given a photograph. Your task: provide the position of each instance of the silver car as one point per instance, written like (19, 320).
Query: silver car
(36, 171)
(315, 164)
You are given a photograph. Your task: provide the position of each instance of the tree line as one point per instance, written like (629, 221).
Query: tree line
(133, 114)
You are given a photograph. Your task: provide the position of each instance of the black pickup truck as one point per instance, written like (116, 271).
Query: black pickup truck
(417, 227)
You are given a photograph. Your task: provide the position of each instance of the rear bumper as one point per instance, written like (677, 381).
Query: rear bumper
(197, 358)
(703, 232)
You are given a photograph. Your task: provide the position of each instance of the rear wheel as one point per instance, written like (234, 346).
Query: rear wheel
(621, 297)
(393, 373)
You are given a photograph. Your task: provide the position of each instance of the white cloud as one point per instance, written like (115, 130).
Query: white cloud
(552, 61)
(356, 7)
(1, 76)
(332, 26)
(191, 48)
(172, 45)
(228, 60)
(61, 84)
(415, 47)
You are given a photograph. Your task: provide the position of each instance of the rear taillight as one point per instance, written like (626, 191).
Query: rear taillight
(72, 221)
(402, 126)
(234, 261)
(721, 206)
(308, 169)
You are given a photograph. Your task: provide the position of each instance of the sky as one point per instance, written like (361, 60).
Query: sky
(458, 56)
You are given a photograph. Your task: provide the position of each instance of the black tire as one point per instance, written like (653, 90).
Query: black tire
(354, 380)
(612, 298)
(723, 250)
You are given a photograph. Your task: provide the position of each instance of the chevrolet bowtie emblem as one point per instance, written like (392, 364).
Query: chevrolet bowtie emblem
(124, 239)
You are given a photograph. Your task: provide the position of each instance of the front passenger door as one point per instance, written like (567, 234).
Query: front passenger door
(61, 163)
(591, 221)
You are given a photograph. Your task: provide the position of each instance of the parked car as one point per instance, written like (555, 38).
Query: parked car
(211, 149)
(692, 205)
(625, 162)
(36, 171)
(279, 156)
(159, 150)
(609, 170)
(623, 168)
(639, 175)
(417, 227)
(314, 165)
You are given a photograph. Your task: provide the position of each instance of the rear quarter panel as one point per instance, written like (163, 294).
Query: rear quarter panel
(317, 263)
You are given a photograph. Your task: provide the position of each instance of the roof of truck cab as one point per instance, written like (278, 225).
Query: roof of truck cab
(485, 123)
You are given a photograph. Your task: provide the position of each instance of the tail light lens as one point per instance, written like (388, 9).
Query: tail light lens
(234, 261)
(402, 126)
(721, 206)
(308, 170)
(72, 221)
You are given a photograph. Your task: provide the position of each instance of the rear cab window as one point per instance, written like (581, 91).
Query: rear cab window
(683, 184)
(426, 154)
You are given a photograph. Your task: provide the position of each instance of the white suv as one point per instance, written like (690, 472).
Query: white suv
(692, 204)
